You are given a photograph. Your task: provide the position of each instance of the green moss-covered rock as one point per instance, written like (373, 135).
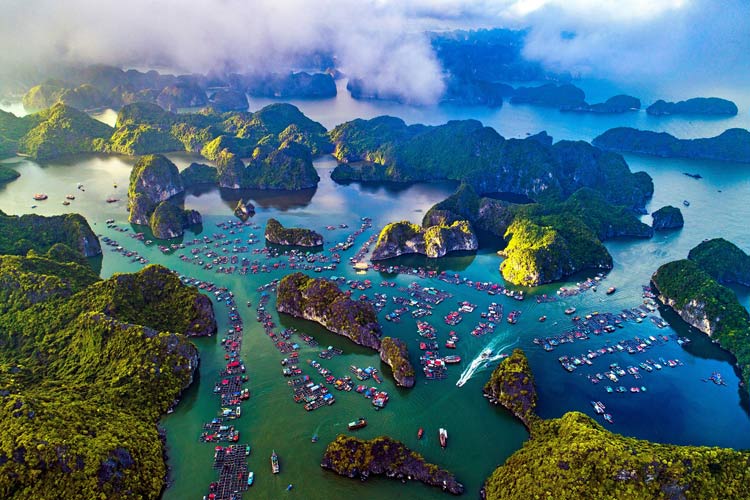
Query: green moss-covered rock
(169, 220)
(142, 139)
(666, 218)
(12, 129)
(395, 353)
(63, 131)
(293, 236)
(287, 168)
(512, 386)
(321, 301)
(230, 171)
(399, 238)
(18, 235)
(548, 248)
(156, 177)
(352, 457)
(723, 260)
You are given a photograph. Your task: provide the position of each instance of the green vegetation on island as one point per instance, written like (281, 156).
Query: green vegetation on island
(694, 106)
(294, 236)
(549, 95)
(7, 174)
(197, 174)
(399, 238)
(48, 94)
(732, 145)
(708, 306)
(86, 368)
(573, 457)
(395, 353)
(320, 300)
(616, 104)
(19, 234)
(154, 198)
(512, 386)
(386, 149)
(357, 458)
(63, 131)
(723, 260)
(545, 241)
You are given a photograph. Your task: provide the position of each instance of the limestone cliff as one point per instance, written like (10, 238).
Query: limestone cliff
(403, 237)
(395, 353)
(291, 236)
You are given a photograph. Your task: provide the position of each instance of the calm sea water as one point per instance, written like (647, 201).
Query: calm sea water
(677, 408)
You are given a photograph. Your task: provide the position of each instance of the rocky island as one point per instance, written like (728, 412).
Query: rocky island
(399, 238)
(706, 305)
(617, 104)
(291, 85)
(512, 386)
(732, 145)
(321, 301)
(695, 106)
(549, 95)
(20, 234)
(228, 100)
(666, 218)
(544, 241)
(291, 236)
(386, 149)
(352, 457)
(723, 260)
(395, 354)
(153, 194)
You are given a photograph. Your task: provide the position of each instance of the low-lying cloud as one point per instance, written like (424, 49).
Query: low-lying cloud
(380, 41)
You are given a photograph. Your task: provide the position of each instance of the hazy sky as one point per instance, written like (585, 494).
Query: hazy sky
(381, 40)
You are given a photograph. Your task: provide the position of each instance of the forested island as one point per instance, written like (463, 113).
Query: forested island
(291, 236)
(87, 365)
(731, 145)
(695, 106)
(574, 457)
(701, 301)
(400, 238)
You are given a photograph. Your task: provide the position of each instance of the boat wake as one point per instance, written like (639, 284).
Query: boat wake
(488, 355)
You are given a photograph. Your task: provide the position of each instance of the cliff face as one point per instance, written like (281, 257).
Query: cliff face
(321, 301)
(666, 218)
(352, 457)
(170, 221)
(401, 238)
(293, 236)
(395, 353)
(512, 386)
(156, 177)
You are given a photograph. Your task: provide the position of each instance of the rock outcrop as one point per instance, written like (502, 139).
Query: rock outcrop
(616, 104)
(395, 353)
(403, 237)
(696, 106)
(666, 218)
(321, 301)
(244, 210)
(154, 197)
(723, 260)
(291, 236)
(352, 457)
(732, 145)
(512, 386)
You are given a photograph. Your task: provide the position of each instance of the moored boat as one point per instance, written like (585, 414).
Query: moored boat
(275, 463)
(570, 310)
(358, 424)
(452, 359)
(443, 435)
(40, 196)
(420, 433)
(611, 290)
(250, 478)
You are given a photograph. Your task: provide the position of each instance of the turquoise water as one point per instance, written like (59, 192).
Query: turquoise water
(677, 408)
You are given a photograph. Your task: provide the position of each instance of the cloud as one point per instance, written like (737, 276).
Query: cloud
(370, 39)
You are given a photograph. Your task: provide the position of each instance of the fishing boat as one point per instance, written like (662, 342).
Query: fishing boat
(452, 359)
(112, 199)
(250, 478)
(40, 196)
(358, 424)
(542, 319)
(70, 197)
(686, 203)
(570, 310)
(420, 433)
(66, 202)
(608, 418)
(611, 290)
(275, 462)
(443, 435)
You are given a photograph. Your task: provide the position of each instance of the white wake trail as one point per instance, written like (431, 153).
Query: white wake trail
(481, 359)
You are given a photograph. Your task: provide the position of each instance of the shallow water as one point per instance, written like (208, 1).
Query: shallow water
(678, 407)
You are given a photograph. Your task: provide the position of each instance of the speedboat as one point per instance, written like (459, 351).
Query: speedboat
(443, 435)
(358, 424)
